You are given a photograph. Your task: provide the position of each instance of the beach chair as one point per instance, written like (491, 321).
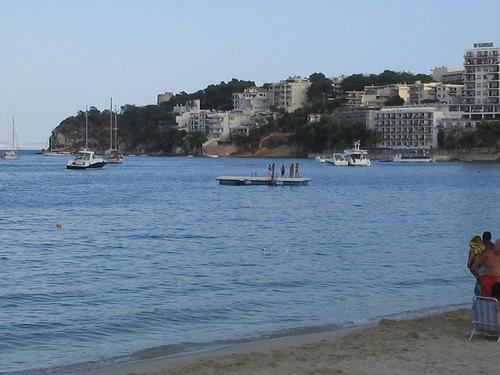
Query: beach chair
(485, 310)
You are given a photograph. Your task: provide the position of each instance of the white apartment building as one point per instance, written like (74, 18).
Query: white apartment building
(411, 127)
(482, 82)
(253, 100)
(214, 124)
(437, 92)
(290, 94)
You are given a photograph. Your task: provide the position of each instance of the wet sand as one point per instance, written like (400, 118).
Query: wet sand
(434, 344)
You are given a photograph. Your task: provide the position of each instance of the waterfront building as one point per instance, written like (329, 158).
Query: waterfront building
(351, 114)
(482, 83)
(165, 97)
(290, 94)
(253, 100)
(411, 127)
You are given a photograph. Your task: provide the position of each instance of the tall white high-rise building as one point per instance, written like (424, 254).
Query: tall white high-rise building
(481, 82)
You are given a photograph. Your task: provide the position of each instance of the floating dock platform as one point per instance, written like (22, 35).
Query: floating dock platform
(246, 180)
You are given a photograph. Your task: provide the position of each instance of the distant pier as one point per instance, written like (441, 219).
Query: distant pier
(252, 180)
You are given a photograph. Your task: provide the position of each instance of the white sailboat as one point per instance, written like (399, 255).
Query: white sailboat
(85, 159)
(14, 153)
(113, 155)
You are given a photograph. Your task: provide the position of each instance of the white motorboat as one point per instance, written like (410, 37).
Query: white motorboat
(320, 159)
(85, 159)
(338, 160)
(113, 155)
(14, 153)
(356, 157)
(413, 158)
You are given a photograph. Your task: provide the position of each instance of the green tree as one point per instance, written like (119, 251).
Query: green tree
(321, 88)
(359, 81)
(395, 100)
(193, 142)
(489, 133)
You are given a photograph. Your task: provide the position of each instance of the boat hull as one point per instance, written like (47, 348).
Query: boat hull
(99, 164)
(8, 156)
(338, 163)
(413, 159)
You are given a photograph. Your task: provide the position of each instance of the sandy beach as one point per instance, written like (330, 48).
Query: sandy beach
(434, 344)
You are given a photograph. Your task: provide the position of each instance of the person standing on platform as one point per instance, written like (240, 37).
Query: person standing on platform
(291, 170)
(296, 173)
(282, 170)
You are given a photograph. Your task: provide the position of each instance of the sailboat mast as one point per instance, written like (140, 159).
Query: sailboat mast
(13, 131)
(116, 129)
(86, 126)
(111, 124)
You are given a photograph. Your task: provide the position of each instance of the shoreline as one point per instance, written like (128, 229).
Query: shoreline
(434, 343)
(163, 359)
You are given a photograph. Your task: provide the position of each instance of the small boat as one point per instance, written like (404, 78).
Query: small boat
(14, 153)
(113, 155)
(337, 159)
(211, 156)
(320, 159)
(356, 157)
(413, 158)
(85, 159)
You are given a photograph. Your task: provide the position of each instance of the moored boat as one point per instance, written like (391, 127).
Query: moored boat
(356, 157)
(413, 158)
(14, 153)
(85, 159)
(113, 155)
(337, 159)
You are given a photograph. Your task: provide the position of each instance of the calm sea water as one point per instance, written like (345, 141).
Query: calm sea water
(154, 252)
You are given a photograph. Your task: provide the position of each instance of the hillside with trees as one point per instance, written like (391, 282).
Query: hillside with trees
(358, 82)
(152, 129)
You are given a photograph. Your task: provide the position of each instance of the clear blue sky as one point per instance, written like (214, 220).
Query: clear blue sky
(58, 56)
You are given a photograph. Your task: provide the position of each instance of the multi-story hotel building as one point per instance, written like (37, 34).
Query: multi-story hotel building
(253, 100)
(290, 94)
(410, 127)
(482, 82)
